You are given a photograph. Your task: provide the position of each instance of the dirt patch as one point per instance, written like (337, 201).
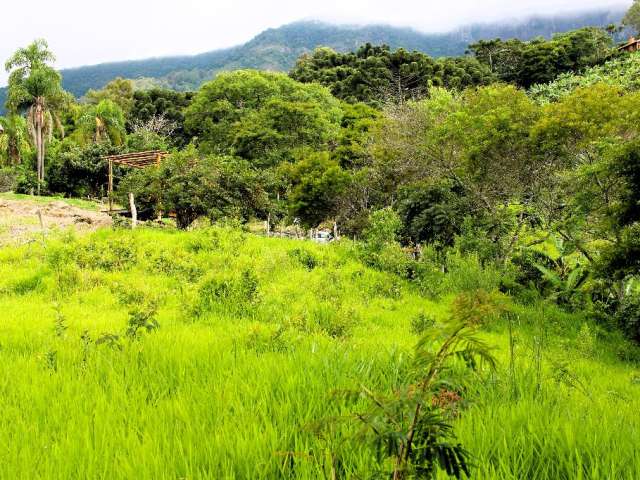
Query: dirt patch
(19, 219)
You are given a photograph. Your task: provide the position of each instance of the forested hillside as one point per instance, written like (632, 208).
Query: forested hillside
(278, 49)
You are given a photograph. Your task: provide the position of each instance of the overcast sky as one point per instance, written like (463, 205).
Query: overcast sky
(82, 32)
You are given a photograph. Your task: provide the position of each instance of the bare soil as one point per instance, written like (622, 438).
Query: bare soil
(20, 221)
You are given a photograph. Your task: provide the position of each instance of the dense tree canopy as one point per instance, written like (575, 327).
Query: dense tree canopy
(375, 74)
(262, 117)
(161, 111)
(540, 60)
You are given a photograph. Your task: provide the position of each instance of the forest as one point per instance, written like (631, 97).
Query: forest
(476, 314)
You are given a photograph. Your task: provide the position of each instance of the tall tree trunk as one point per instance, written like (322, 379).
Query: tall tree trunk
(38, 153)
(39, 126)
(14, 151)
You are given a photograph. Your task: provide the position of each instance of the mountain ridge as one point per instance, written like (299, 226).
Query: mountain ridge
(278, 48)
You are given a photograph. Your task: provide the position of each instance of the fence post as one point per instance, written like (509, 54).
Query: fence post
(134, 212)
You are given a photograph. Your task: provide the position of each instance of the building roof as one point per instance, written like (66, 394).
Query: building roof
(630, 43)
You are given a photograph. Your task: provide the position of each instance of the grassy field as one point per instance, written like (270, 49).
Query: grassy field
(242, 343)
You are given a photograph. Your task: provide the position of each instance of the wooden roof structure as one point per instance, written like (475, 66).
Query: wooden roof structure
(137, 160)
(132, 160)
(632, 45)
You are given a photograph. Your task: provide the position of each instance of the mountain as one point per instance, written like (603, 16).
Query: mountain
(278, 49)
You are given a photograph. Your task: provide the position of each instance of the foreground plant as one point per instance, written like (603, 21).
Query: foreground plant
(411, 427)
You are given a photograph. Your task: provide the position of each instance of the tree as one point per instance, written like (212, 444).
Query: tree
(316, 185)
(80, 171)
(358, 122)
(431, 212)
(35, 86)
(262, 117)
(192, 185)
(540, 61)
(119, 91)
(166, 106)
(376, 75)
(103, 122)
(632, 17)
(14, 143)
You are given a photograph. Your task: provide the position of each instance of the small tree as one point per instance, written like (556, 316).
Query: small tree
(103, 122)
(14, 139)
(317, 183)
(410, 427)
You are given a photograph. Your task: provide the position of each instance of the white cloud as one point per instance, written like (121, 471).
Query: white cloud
(83, 32)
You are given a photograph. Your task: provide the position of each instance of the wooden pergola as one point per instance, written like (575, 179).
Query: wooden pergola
(132, 160)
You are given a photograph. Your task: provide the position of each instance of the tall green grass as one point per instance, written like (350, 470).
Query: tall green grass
(255, 336)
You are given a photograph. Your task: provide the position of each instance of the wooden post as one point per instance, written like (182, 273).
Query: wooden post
(110, 193)
(160, 212)
(335, 230)
(134, 212)
(42, 230)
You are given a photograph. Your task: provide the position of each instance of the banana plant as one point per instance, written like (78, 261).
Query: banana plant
(565, 278)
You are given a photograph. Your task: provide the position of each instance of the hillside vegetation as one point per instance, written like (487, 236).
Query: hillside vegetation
(621, 72)
(278, 49)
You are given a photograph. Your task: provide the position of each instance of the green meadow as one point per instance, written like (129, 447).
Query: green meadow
(221, 354)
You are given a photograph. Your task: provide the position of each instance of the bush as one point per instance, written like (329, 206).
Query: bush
(267, 339)
(80, 171)
(329, 319)
(628, 316)
(421, 323)
(8, 179)
(304, 257)
(466, 273)
(112, 255)
(235, 295)
(27, 180)
(381, 249)
(192, 186)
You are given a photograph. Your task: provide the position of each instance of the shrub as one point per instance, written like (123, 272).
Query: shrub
(176, 264)
(27, 180)
(24, 285)
(383, 229)
(421, 323)
(112, 255)
(628, 316)
(206, 240)
(304, 257)
(330, 320)
(466, 273)
(267, 338)
(8, 179)
(193, 186)
(235, 295)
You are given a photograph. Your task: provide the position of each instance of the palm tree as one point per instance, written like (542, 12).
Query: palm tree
(102, 122)
(14, 141)
(35, 86)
